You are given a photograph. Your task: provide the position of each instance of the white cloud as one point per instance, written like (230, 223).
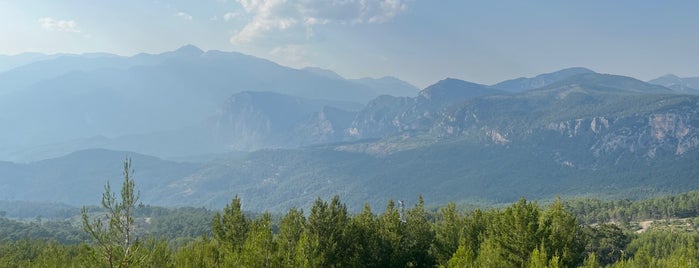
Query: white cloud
(271, 18)
(183, 15)
(51, 24)
(290, 55)
(230, 16)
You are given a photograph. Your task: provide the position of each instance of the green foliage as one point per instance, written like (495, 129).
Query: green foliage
(327, 229)
(369, 249)
(591, 262)
(448, 232)
(231, 227)
(463, 257)
(40, 253)
(598, 211)
(61, 231)
(202, 252)
(290, 239)
(114, 243)
(517, 231)
(522, 234)
(607, 242)
(179, 225)
(563, 237)
(419, 237)
(259, 248)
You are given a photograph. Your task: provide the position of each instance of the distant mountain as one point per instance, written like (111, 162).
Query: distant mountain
(77, 97)
(523, 84)
(8, 62)
(47, 67)
(246, 121)
(389, 85)
(323, 72)
(688, 85)
(387, 115)
(256, 120)
(451, 89)
(386, 85)
(607, 83)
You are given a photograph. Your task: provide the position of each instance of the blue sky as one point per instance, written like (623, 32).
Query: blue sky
(419, 41)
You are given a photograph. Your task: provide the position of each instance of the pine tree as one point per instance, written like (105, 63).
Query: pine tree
(231, 228)
(368, 248)
(463, 257)
(115, 242)
(419, 236)
(517, 231)
(591, 262)
(562, 235)
(491, 255)
(259, 247)
(448, 233)
(289, 239)
(392, 232)
(327, 225)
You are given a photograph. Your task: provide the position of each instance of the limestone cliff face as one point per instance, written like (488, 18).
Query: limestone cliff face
(647, 135)
(387, 115)
(254, 120)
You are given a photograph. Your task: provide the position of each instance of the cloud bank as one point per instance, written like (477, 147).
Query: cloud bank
(51, 24)
(295, 19)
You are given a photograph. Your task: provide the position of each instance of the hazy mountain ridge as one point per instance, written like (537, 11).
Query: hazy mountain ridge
(687, 85)
(387, 85)
(79, 177)
(79, 97)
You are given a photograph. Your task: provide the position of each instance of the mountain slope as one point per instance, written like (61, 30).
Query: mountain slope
(608, 83)
(8, 62)
(389, 85)
(523, 84)
(79, 178)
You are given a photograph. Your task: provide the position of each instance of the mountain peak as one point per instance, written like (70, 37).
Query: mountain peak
(671, 76)
(572, 70)
(453, 82)
(189, 50)
(456, 88)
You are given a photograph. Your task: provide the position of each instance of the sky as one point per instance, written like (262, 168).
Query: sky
(420, 41)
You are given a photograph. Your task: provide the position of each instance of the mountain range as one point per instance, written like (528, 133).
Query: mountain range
(220, 124)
